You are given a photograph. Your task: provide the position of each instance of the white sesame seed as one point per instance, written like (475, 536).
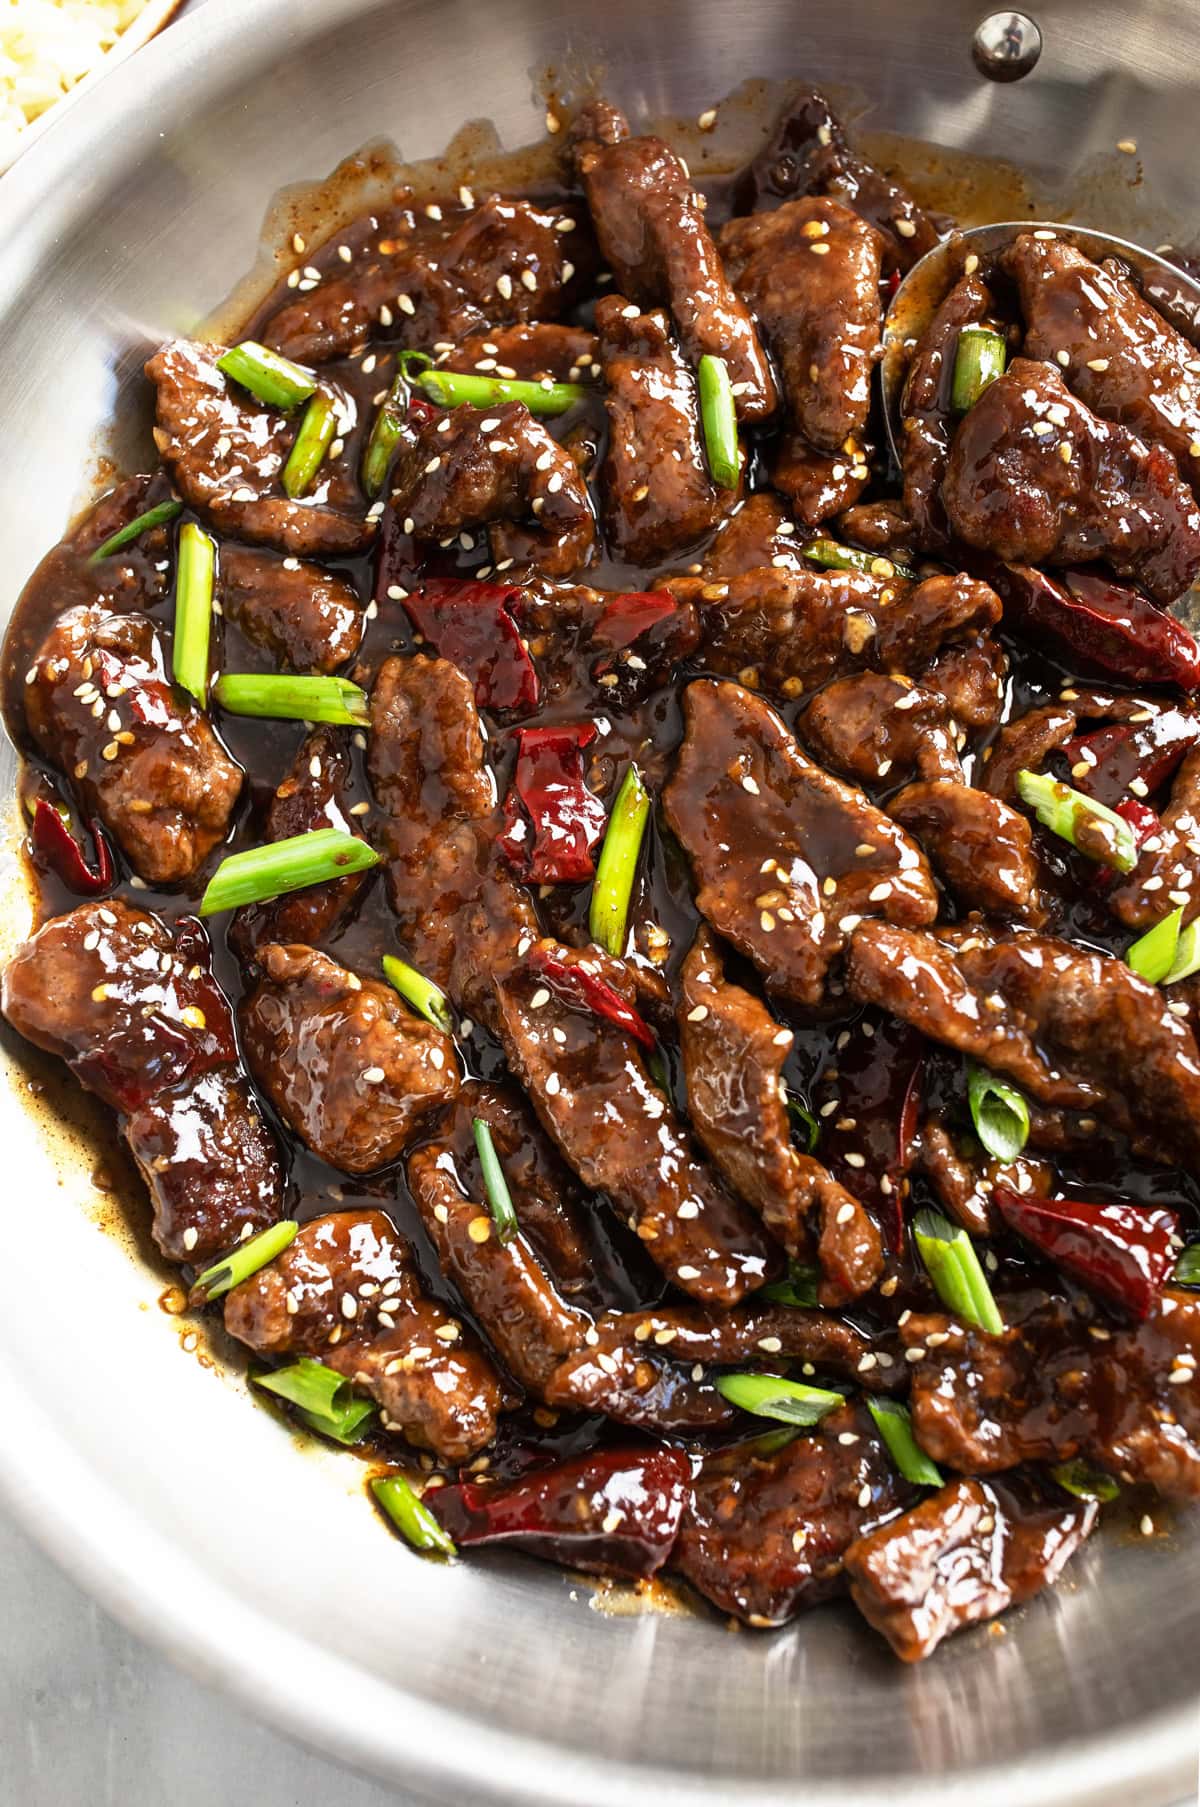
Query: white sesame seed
(847, 1437)
(915, 1354)
(687, 1273)
(1147, 1525)
(864, 1496)
(504, 287)
(190, 1238)
(349, 1305)
(553, 1084)
(749, 784)
(770, 1345)
(845, 1212)
(853, 1160)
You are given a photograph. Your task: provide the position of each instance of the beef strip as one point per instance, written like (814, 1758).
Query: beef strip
(462, 915)
(1024, 745)
(926, 422)
(137, 1016)
(808, 154)
(571, 630)
(527, 352)
(787, 859)
(810, 272)
(973, 679)
(141, 756)
(1167, 873)
(979, 846)
(767, 1529)
(758, 533)
(306, 618)
(965, 1554)
(758, 1335)
(348, 1067)
(872, 726)
(589, 1085)
(963, 1179)
(653, 236)
(1073, 1028)
(226, 453)
(1055, 1385)
(657, 495)
(882, 527)
(1122, 359)
(428, 286)
(501, 469)
(347, 1293)
(819, 484)
(312, 795)
(734, 1053)
(1035, 478)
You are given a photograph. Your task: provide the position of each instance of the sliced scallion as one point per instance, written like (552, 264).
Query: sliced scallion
(426, 998)
(389, 422)
(799, 1289)
(453, 389)
(999, 1112)
(133, 530)
(283, 697)
(245, 1260)
(195, 570)
(317, 429)
(852, 558)
(894, 1424)
(269, 377)
(414, 1521)
(616, 869)
(259, 873)
(1106, 836)
(771, 1396)
(718, 415)
(499, 1197)
(1153, 954)
(1187, 1268)
(323, 1398)
(953, 1266)
(1187, 954)
(805, 1122)
(978, 361)
(1085, 1482)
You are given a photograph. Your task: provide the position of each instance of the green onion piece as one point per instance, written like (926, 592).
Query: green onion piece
(1187, 954)
(287, 698)
(245, 1260)
(426, 998)
(317, 429)
(133, 530)
(1108, 837)
(656, 1066)
(1187, 1268)
(979, 360)
(195, 567)
(389, 422)
(499, 1197)
(799, 1289)
(259, 873)
(612, 888)
(454, 389)
(953, 1266)
(894, 1424)
(805, 1121)
(1085, 1482)
(412, 1519)
(999, 1112)
(323, 1398)
(851, 558)
(770, 1396)
(269, 378)
(719, 418)
(1153, 954)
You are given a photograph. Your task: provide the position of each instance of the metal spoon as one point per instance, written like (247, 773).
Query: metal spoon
(1175, 295)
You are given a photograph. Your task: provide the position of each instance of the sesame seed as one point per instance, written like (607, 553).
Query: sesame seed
(190, 1238)
(687, 1273)
(852, 1160)
(299, 245)
(349, 1305)
(528, 280)
(819, 248)
(1128, 146)
(1064, 452)
(906, 228)
(553, 122)
(708, 119)
(864, 1495)
(915, 1354)
(1098, 364)
(553, 1085)
(879, 893)
(698, 1014)
(374, 1075)
(1147, 1525)
(479, 1229)
(847, 1437)
(749, 784)
(770, 1345)
(1063, 358)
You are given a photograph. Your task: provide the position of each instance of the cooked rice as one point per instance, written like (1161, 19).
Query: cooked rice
(46, 46)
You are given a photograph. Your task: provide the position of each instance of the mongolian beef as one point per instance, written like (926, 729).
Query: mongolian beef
(648, 959)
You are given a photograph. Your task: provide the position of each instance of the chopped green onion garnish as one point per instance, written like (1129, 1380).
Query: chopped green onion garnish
(426, 998)
(287, 698)
(894, 1424)
(1187, 954)
(453, 389)
(269, 378)
(612, 888)
(770, 1396)
(999, 1112)
(414, 1521)
(1108, 837)
(799, 1289)
(245, 1260)
(953, 1266)
(310, 445)
(323, 1398)
(851, 558)
(718, 415)
(1187, 1268)
(259, 873)
(1153, 954)
(1085, 1482)
(133, 530)
(979, 360)
(499, 1197)
(195, 567)
(389, 422)
(805, 1122)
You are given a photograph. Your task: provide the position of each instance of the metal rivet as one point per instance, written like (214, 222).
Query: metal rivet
(1006, 46)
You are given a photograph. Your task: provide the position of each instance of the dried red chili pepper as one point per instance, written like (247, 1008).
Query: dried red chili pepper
(552, 821)
(611, 1512)
(57, 848)
(575, 984)
(472, 625)
(878, 1089)
(1099, 624)
(630, 614)
(1122, 1252)
(1148, 752)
